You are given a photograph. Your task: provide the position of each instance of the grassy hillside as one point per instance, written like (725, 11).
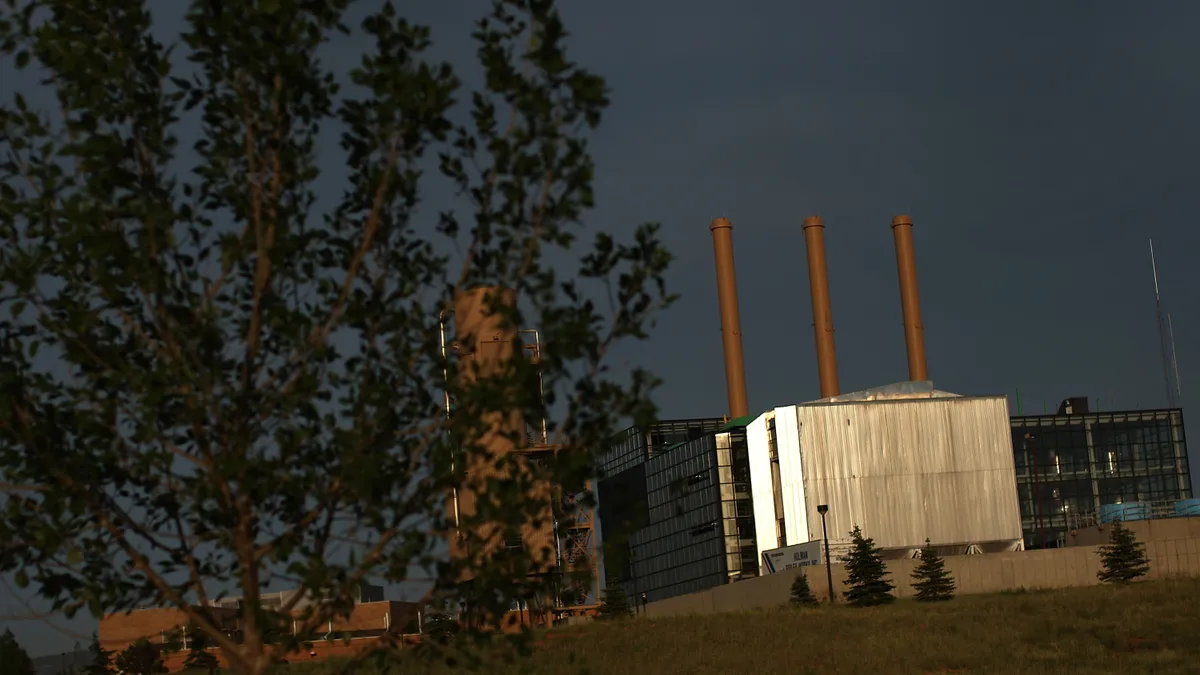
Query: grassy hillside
(1151, 627)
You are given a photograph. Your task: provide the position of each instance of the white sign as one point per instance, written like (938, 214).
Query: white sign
(789, 557)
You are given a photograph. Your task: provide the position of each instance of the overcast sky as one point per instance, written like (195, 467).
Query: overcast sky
(1036, 145)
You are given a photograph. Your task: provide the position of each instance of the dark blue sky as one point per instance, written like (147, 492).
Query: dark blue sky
(1036, 145)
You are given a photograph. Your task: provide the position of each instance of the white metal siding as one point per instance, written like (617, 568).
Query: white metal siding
(903, 470)
(761, 489)
(792, 473)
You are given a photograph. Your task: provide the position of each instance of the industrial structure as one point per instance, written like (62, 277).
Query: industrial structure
(731, 320)
(822, 306)
(676, 508)
(910, 299)
(905, 462)
(1079, 466)
(558, 539)
(687, 505)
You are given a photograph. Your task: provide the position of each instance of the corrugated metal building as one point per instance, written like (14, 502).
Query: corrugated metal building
(904, 462)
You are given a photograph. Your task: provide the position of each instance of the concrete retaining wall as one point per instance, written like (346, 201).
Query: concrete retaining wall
(986, 573)
(1147, 531)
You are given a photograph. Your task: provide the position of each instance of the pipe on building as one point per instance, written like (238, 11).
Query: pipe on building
(910, 300)
(731, 323)
(822, 307)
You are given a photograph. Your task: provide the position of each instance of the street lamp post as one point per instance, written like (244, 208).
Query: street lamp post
(823, 509)
(633, 579)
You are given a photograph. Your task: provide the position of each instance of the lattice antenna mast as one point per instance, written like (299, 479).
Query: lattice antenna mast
(1174, 361)
(1166, 347)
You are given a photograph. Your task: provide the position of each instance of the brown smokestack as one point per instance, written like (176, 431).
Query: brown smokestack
(818, 284)
(487, 343)
(910, 300)
(731, 322)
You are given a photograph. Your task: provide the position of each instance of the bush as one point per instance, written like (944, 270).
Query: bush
(199, 658)
(802, 595)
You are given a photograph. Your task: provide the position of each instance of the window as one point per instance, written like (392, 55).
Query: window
(513, 541)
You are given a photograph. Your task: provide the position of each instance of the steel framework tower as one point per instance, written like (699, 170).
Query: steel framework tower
(1166, 340)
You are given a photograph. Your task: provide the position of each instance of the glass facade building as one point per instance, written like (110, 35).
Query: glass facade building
(678, 517)
(634, 446)
(1071, 466)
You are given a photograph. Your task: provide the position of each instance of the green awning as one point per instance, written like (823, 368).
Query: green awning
(739, 422)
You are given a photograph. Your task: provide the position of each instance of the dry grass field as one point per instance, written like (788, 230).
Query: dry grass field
(1151, 627)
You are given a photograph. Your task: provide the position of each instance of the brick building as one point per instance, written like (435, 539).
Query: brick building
(367, 622)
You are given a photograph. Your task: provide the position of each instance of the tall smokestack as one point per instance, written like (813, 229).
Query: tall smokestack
(731, 322)
(910, 300)
(487, 343)
(822, 308)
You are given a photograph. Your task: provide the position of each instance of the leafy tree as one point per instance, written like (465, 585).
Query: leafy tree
(13, 657)
(930, 578)
(141, 658)
(199, 658)
(1124, 558)
(441, 627)
(866, 573)
(101, 659)
(220, 336)
(615, 603)
(801, 593)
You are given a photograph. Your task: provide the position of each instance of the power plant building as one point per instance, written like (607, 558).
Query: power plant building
(678, 518)
(904, 462)
(1080, 466)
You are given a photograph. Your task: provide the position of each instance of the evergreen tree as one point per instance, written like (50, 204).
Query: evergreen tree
(199, 658)
(13, 658)
(801, 594)
(615, 604)
(1124, 558)
(866, 573)
(930, 579)
(101, 659)
(141, 658)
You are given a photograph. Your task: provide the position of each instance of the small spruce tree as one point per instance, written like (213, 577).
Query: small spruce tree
(1124, 558)
(199, 658)
(101, 659)
(141, 658)
(866, 573)
(802, 595)
(13, 658)
(930, 578)
(615, 604)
